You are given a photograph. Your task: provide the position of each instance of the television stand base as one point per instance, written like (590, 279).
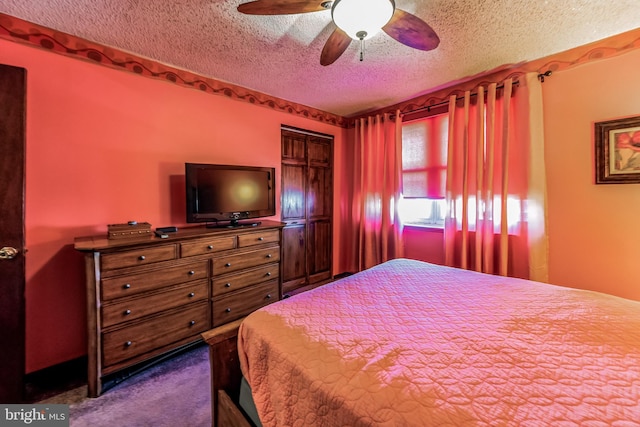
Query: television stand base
(234, 224)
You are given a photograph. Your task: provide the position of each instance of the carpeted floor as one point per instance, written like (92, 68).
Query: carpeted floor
(174, 393)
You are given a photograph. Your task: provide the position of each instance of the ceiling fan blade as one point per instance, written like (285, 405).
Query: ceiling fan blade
(335, 46)
(280, 7)
(412, 31)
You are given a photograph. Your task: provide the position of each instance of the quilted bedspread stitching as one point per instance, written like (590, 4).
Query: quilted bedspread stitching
(410, 344)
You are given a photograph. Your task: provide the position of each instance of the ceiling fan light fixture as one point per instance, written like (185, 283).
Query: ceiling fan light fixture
(362, 19)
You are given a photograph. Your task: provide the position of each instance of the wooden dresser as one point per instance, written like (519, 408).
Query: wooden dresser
(150, 296)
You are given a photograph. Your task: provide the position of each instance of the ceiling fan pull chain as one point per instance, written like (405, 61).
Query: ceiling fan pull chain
(361, 35)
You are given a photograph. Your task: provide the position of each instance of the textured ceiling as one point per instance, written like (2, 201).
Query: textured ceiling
(280, 55)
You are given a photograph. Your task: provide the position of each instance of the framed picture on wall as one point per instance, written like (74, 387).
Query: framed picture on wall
(617, 145)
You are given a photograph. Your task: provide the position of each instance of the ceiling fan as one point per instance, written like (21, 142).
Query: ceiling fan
(354, 20)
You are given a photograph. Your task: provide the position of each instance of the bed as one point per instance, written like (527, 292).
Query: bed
(408, 343)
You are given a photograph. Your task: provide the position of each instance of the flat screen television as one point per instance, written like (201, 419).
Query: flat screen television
(224, 195)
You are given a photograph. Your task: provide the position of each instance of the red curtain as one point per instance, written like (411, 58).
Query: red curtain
(376, 232)
(495, 181)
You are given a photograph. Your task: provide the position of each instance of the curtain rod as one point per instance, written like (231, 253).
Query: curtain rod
(439, 104)
(541, 77)
(306, 132)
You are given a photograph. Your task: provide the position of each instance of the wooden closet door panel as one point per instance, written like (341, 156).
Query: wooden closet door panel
(319, 250)
(319, 194)
(293, 146)
(294, 264)
(293, 192)
(319, 152)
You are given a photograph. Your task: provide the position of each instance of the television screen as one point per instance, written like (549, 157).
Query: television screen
(229, 193)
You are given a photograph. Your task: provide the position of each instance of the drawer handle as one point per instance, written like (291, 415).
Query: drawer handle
(227, 285)
(128, 344)
(192, 294)
(269, 255)
(228, 310)
(141, 257)
(127, 312)
(268, 273)
(193, 322)
(210, 247)
(228, 264)
(126, 286)
(268, 296)
(191, 273)
(261, 238)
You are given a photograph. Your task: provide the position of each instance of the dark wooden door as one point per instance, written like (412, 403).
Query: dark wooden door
(307, 206)
(12, 265)
(294, 257)
(319, 209)
(293, 211)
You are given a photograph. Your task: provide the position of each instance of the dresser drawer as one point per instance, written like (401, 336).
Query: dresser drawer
(207, 246)
(132, 284)
(135, 257)
(144, 305)
(231, 263)
(239, 304)
(221, 285)
(258, 238)
(148, 335)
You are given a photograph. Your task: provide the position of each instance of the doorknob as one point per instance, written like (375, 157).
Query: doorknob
(8, 253)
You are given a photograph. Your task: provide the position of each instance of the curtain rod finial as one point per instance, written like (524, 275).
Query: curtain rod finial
(543, 75)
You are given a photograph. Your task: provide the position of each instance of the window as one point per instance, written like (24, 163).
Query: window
(423, 212)
(424, 171)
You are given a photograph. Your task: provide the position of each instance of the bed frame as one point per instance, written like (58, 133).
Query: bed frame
(225, 376)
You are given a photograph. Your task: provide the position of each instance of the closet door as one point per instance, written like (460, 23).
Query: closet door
(319, 209)
(307, 206)
(293, 208)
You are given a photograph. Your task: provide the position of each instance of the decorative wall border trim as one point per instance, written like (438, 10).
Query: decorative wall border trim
(602, 49)
(20, 31)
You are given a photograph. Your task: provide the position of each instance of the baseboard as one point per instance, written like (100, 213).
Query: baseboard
(114, 379)
(55, 379)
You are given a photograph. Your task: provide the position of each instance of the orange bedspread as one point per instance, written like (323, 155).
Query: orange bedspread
(408, 343)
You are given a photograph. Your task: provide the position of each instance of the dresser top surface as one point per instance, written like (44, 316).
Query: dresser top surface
(101, 242)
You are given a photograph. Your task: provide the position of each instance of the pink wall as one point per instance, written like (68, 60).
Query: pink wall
(592, 240)
(424, 244)
(106, 146)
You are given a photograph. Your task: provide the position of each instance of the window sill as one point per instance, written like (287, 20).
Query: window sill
(425, 227)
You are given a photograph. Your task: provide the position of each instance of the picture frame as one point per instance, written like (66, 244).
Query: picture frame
(617, 151)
